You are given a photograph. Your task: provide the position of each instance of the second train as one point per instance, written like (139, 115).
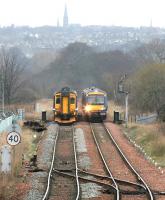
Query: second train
(94, 104)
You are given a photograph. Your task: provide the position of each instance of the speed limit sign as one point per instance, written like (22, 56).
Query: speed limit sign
(13, 138)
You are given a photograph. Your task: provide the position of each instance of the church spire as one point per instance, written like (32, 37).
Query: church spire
(65, 18)
(151, 23)
(58, 23)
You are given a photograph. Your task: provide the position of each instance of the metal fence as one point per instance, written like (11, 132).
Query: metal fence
(146, 119)
(141, 119)
(5, 123)
(7, 118)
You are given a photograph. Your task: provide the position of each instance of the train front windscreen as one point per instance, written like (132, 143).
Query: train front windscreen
(96, 100)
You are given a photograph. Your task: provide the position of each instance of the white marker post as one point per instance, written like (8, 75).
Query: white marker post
(6, 159)
(5, 165)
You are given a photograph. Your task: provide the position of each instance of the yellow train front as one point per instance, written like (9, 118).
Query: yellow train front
(65, 106)
(94, 104)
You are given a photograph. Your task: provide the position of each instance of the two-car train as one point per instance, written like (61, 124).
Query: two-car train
(94, 105)
(65, 106)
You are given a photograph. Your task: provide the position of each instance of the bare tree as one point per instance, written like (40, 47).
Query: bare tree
(153, 52)
(11, 69)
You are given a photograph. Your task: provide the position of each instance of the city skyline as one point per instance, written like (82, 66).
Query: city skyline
(105, 12)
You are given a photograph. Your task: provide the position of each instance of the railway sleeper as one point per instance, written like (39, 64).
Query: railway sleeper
(55, 170)
(159, 193)
(125, 192)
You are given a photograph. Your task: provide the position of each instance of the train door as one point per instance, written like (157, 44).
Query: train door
(65, 105)
(73, 103)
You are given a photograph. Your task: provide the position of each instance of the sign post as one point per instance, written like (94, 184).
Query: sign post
(13, 139)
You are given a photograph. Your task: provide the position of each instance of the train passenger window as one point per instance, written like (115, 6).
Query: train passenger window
(57, 100)
(72, 100)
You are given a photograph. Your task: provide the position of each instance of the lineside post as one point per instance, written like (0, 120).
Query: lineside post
(126, 108)
(121, 89)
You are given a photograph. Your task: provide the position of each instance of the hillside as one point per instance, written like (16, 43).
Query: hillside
(80, 66)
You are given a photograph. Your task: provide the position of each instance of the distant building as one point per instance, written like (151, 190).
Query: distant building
(65, 18)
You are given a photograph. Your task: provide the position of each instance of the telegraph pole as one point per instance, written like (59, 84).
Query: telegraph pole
(3, 93)
(3, 97)
(122, 90)
(126, 108)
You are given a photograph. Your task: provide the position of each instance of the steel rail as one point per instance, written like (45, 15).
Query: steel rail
(46, 194)
(150, 195)
(106, 184)
(85, 179)
(118, 196)
(51, 167)
(76, 172)
(125, 182)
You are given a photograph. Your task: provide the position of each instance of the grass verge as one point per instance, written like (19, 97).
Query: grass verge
(151, 138)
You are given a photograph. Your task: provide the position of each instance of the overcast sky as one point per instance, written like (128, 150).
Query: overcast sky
(85, 12)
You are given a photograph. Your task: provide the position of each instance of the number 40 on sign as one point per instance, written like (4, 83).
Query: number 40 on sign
(13, 138)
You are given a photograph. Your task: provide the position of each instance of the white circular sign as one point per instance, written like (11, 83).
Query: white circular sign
(13, 138)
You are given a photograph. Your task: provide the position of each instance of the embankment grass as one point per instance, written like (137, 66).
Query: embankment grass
(151, 138)
(26, 149)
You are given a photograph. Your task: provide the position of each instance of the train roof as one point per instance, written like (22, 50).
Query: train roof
(66, 90)
(93, 89)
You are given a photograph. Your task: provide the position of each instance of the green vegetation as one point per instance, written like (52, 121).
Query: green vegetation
(151, 139)
(30, 141)
(147, 93)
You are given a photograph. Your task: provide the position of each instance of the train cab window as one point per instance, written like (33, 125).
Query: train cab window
(95, 100)
(72, 100)
(58, 100)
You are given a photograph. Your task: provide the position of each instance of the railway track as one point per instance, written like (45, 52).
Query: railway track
(64, 159)
(120, 180)
(127, 182)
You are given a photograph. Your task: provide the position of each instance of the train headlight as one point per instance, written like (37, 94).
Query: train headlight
(87, 108)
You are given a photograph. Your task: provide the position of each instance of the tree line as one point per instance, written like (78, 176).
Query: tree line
(80, 66)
